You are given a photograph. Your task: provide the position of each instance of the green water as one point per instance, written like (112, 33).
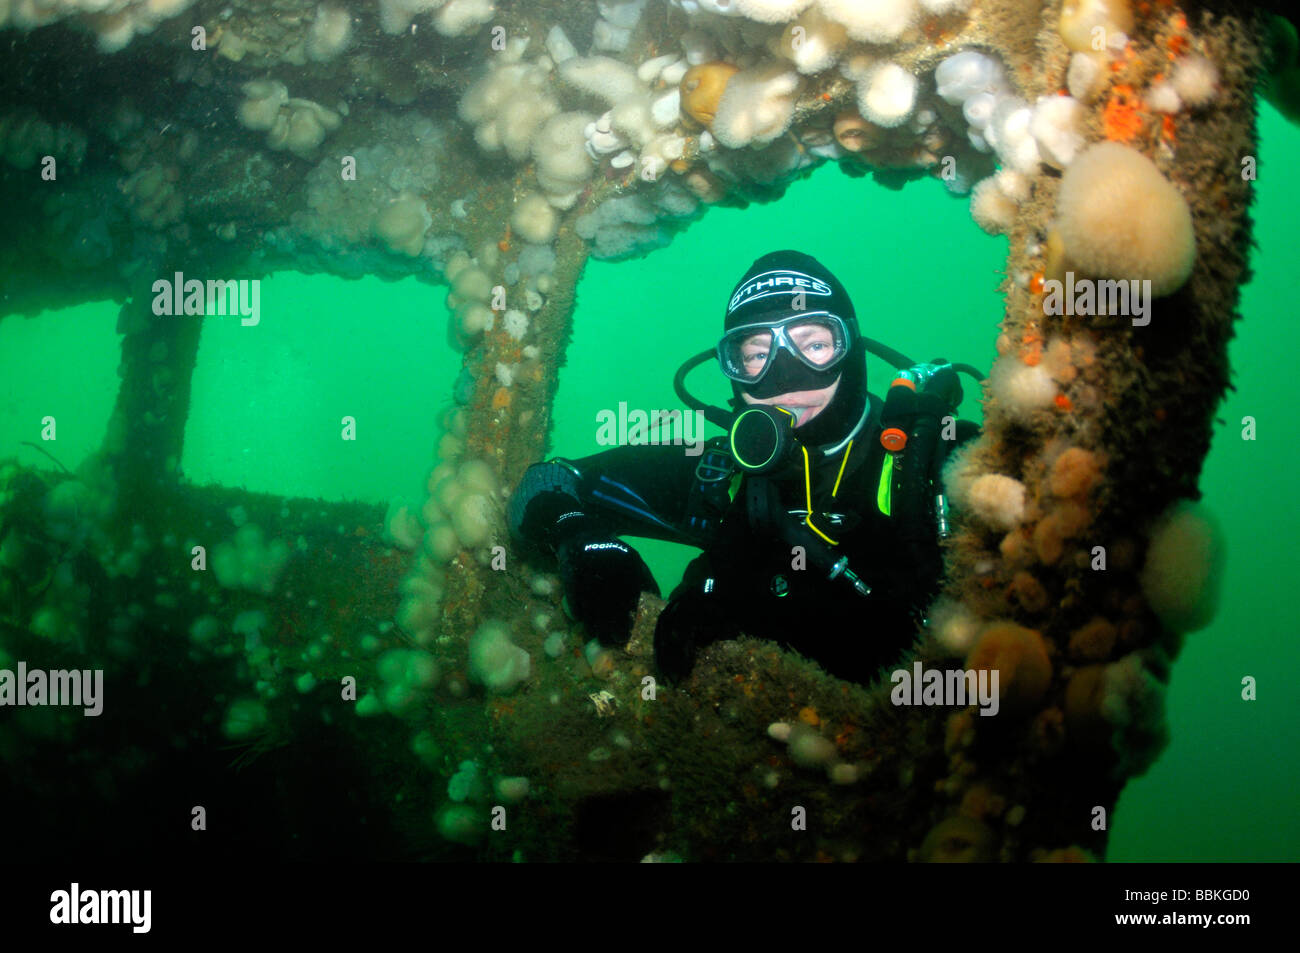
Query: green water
(268, 402)
(924, 280)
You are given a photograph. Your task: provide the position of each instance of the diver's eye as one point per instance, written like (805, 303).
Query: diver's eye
(817, 351)
(814, 342)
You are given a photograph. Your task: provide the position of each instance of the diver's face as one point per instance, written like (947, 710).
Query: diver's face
(804, 404)
(815, 343)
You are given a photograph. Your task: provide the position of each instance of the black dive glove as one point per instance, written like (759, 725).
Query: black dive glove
(603, 578)
(694, 620)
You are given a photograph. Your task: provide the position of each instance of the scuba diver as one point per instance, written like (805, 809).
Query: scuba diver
(819, 513)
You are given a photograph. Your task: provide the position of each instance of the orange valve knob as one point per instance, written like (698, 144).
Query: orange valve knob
(893, 439)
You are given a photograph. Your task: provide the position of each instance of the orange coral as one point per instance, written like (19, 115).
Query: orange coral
(1121, 119)
(1015, 548)
(1056, 359)
(1029, 592)
(1031, 348)
(1049, 544)
(1054, 529)
(1094, 640)
(1075, 473)
(501, 399)
(854, 133)
(1019, 655)
(702, 87)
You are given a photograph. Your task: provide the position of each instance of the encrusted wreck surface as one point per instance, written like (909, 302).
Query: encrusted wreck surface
(492, 148)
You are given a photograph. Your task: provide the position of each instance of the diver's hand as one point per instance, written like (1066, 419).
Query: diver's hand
(603, 579)
(692, 621)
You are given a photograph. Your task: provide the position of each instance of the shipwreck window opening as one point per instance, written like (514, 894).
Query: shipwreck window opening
(922, 276)
(59, 364)
(268, 400)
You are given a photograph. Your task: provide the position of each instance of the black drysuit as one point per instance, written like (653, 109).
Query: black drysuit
(748, 578)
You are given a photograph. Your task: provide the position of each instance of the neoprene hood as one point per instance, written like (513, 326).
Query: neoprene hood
(773, 289)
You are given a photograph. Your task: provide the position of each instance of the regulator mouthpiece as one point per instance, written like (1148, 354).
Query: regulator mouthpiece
(762, 439)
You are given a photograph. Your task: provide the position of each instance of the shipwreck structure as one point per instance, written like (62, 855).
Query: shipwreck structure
(400, 680)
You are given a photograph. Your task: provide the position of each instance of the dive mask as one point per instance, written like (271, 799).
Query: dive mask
(818, 339)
